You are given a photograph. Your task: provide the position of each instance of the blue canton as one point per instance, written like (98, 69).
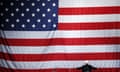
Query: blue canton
(29, 15)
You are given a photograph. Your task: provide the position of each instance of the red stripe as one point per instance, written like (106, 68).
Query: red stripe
(58, 70)
(1, 41)
(61, 56)
(61, 41)
(89, 10)
(89, 26)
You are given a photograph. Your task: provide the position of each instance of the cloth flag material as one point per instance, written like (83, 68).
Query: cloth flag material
(59, 35)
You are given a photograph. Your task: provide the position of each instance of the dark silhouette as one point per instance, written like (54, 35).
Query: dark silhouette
(87, 68)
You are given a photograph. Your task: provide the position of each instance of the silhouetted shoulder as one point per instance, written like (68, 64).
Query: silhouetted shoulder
(86, 68)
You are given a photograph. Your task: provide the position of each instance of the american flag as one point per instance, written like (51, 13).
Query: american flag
(59, 35)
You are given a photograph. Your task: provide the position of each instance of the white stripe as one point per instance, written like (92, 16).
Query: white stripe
(59, 49)
(59, 64)
(88, 3)
(89, 18)
(61, 34)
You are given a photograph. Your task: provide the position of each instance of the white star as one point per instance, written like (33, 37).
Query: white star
(2, 25)
(54, 4)
(22, 14)
(27, 9)
(28, 20)
(48, 0)
(1, 14)
(12, 25)
(17, 20)
(33, 26)
(54, 15)
(44, 25)
(37, 9)
(12, 14)
(11, 4)
(38, 0)
(43, 4)
(54, 25)
(33, 14)
(17, 9)
(49, 20)
(22, 4)
(48, 10)
(1, 3)
(43, 15)
(6, 9)
(38, 20)
(33, 4)
(7, 20)
(23, 25)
